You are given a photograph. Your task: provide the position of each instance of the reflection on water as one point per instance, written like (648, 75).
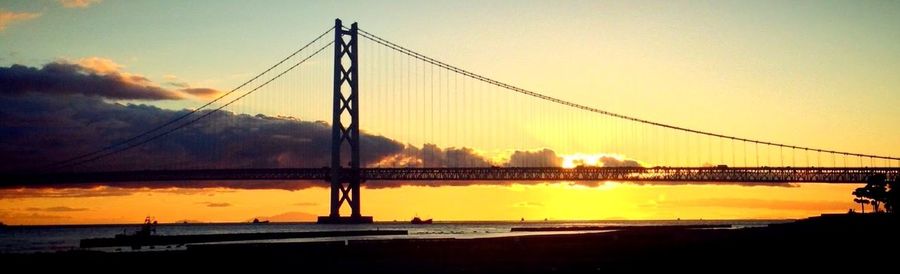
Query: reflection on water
(57, 238)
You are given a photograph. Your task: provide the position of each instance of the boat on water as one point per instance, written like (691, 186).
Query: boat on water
(147, 229)
(419, 221)
(257, 221)
(138, 238)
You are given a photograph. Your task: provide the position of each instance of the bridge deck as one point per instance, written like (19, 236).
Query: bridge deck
(373, 175)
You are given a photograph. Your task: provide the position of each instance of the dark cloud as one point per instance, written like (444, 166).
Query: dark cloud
(56, 209)
(40, 129)
(608, 161)
(132, 188)
(67, 78)
(250, 185)
(430, 155)
(211, 204)
(87, 190)
(540, 158)
(55, 192)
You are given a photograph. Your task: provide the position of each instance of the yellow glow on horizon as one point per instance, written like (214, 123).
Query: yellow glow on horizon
(553, 201)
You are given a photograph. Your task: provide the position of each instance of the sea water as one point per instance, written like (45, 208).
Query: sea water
(30, 239)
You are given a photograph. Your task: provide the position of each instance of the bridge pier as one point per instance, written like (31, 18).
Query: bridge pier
(345, 220)
(345, 181)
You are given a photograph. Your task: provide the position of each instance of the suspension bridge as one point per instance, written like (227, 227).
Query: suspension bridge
(466, 126)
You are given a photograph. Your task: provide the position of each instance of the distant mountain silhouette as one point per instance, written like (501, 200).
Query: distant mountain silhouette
(293, 216)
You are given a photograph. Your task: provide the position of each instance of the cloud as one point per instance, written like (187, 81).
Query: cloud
(9, 17)
(540, 158)
(128, 188)
(183, 85)
(40, 129)
(430, 155)
(202, 92)
(31, 216)
(22, 193)
(616, 162)
(293, 216)
(770, 204)
(56, 209)
(173, 80)
(149, 188)
(211, 204)
(93, 78)
(78, 3)
(99, 65)
(598, 160)
(528, 204)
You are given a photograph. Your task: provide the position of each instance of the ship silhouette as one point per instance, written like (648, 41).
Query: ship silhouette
(419, 221)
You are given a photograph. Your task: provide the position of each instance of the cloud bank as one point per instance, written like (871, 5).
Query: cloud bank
(65, 109)
(41, 129)
(90, 76)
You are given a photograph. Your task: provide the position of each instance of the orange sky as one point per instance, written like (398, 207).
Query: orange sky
(559, 201)
(813, 74)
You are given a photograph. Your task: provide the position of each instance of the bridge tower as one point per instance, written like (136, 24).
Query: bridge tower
(345, 181)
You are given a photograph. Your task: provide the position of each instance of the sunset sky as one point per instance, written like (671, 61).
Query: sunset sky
(821, 74)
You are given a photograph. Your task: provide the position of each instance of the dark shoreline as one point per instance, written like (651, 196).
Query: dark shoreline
(400, 222)
(161, 240)
(827, 243)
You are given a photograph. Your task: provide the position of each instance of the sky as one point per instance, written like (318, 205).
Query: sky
(812, 73)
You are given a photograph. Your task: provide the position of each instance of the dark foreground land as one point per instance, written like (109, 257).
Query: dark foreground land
(830, 243)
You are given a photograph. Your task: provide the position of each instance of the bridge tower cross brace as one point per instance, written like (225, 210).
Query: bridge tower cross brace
(345, 181)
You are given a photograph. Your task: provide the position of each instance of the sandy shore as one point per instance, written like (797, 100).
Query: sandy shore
(826, 243)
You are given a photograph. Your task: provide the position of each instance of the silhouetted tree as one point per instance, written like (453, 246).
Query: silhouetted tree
(862, 203)
(891, 195)
(875, 192)
(862, 197)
